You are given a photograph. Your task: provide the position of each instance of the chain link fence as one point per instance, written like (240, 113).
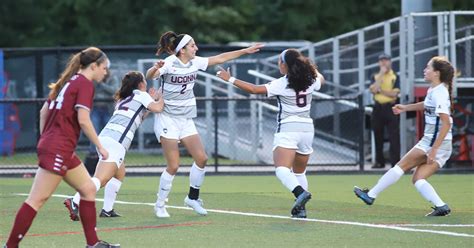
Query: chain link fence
(235, 132)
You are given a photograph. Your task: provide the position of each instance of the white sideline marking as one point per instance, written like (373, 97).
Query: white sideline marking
(435, 225)
(399, 227)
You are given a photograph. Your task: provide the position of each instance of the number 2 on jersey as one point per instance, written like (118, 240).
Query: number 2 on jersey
(183, 89)
(125, 101)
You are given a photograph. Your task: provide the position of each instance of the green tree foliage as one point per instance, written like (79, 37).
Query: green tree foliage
(130, 22)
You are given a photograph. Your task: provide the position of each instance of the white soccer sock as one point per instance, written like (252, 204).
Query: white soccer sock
(196, 176)
(302, 180)
(166, 181)
(428, 192)
(390, 177)
(110, 193)
(77, 196)
(286, 177)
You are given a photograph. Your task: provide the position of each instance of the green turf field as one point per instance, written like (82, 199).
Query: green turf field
(131, 159)
(336, 218)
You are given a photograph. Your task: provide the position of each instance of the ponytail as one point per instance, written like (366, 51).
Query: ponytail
(77, 61)
(130, 83)
(301, 72)
(168, 42)
(446, 75)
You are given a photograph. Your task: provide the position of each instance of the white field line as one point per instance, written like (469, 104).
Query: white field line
(398, 227)
(434, 225)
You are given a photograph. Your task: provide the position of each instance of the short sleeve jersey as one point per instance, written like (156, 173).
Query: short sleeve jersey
(61, 130)
(437, 101)
(178, 81)
(293, 107)
(127, 117)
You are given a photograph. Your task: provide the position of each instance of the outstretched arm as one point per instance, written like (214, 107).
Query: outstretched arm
(400, 108)
(154, 71)
(245, 86)
(224, 57)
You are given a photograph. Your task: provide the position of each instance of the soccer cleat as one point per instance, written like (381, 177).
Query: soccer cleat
(160, 210)
(110, 213)
(440, 211)
(362, 194)
(73, 209)
(103, 244)
(300, 214)
(300, 203)
(196, 205)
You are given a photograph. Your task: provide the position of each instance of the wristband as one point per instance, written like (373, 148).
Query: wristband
(231, 80)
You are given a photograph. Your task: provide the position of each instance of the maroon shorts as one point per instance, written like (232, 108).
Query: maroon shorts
(58, 163)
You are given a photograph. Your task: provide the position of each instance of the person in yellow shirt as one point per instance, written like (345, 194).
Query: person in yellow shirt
(385, 87)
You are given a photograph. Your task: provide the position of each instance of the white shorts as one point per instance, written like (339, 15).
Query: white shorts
(115, 149)
(444, 151)
(173, 127)
(301, 141)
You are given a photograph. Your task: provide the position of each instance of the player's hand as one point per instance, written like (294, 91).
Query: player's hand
(104, 153)
(159, 64)
(254, 48)
(224, 74)
(431, 156)
(399, 108)
(152, 92)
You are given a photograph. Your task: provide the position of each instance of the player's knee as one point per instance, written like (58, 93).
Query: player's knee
(88, 191)
(172, 170)
(201, 161)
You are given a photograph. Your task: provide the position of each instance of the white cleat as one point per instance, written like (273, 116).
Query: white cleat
(160, 210)
(196, 205)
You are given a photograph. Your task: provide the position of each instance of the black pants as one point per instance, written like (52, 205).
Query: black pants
(383, 117)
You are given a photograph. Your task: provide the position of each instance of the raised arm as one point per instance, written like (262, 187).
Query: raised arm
(154, 71)
(224, 57)
(245, 86)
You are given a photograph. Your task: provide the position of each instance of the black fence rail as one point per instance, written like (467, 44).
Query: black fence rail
(235, 131)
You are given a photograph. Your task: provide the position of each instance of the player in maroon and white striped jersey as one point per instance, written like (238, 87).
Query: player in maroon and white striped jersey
(62, 117)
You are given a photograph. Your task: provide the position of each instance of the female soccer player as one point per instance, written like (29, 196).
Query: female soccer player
(292, 144)
(434, 149)
(62, 117)
(179, 72)
(132, 103)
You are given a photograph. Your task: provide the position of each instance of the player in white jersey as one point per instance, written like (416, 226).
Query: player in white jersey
(434, 149)
(175, 124)
(132, 104)
(292, 144)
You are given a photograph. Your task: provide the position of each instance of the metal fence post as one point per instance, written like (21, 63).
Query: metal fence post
(360, 100)
(216, 131)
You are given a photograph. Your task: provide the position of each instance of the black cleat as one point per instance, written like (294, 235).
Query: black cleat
(440, 211)
(110, 213)
(300, 203)
(103, 244)
(362, 194)
(73, 209)
(300, 214)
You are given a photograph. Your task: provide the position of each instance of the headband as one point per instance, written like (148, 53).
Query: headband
(282, 56)
(183, 42)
